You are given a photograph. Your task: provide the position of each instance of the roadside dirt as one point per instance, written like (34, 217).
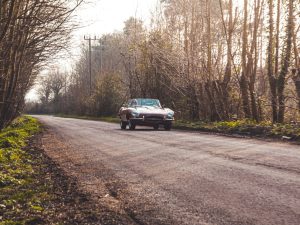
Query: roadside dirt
(70, 202)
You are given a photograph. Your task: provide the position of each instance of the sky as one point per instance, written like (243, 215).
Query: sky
(98, 17)
(105, 16)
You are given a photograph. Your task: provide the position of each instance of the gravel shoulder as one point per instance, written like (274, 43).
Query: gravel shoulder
(69, 201)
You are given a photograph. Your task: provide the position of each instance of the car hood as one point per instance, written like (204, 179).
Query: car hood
(152, 110)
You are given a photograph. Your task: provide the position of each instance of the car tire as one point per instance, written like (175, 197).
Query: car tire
(123, 125)
(156, 127)
(168, 126)
(131, 125)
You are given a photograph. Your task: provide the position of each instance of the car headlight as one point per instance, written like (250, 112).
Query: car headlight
(135, 114)
(170, 115)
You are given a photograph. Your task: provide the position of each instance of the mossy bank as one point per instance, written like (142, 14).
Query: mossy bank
(33, 189)
(17, 172)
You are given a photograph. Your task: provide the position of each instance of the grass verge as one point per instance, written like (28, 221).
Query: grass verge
(17, 172)
(245, 127)
(33, 189)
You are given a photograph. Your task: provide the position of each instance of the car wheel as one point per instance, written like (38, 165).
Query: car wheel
(156, 126)
(131, 125)
(123, 125)
(168, 126)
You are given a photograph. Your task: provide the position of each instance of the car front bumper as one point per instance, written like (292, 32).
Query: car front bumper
(150, 121)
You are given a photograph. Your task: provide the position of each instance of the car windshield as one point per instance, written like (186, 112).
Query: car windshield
(147, 102)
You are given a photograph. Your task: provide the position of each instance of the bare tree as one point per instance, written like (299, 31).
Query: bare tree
(285, 62)
(31, 32)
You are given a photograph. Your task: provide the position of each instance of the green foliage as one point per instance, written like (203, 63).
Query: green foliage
(239, 126)
(16, 170)
(292, 130)
(10, 222)
(244, 127)
(108, 96)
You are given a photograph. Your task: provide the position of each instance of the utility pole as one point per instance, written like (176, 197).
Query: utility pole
(102, 40)
(89, 39)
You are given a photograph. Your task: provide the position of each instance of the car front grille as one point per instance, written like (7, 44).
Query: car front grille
(154, 118)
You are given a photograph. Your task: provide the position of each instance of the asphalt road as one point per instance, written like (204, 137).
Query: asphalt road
(181, 177)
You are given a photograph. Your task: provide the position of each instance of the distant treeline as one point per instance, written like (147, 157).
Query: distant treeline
(209, 60)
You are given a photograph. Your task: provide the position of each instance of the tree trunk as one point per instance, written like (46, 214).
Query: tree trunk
(271, 76)
(286, 62)
(209, 57)
(244, 84)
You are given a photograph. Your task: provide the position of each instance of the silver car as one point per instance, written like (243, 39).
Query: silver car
(145, 112)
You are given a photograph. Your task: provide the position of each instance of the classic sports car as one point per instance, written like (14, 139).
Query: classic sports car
(146, 112)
